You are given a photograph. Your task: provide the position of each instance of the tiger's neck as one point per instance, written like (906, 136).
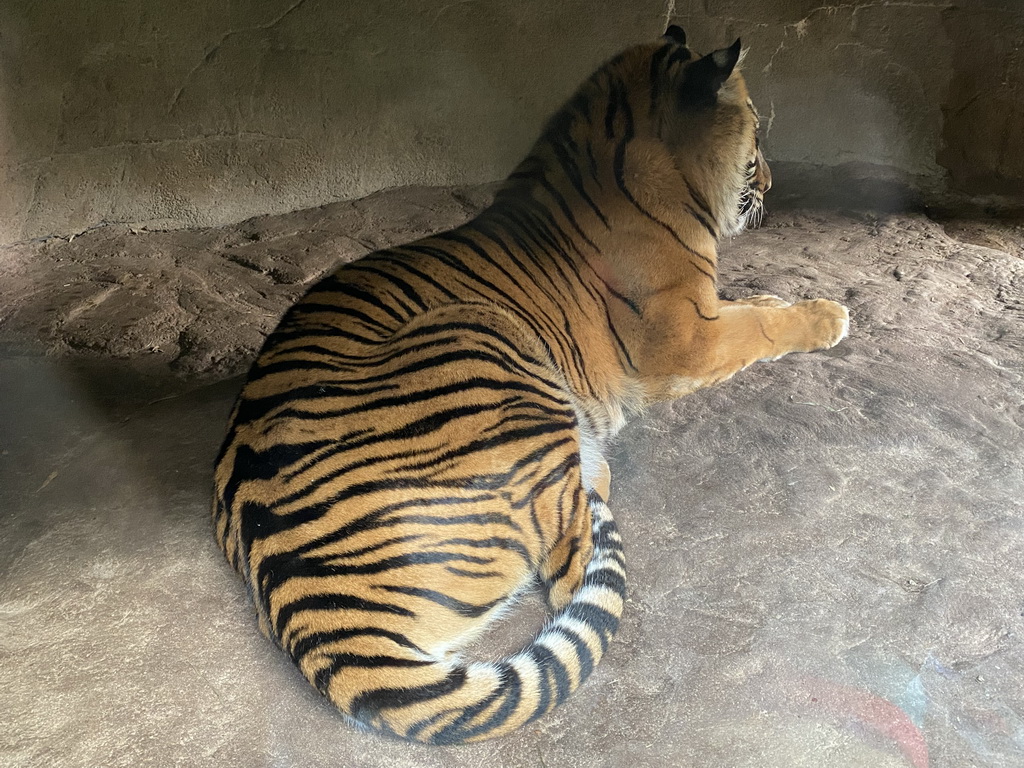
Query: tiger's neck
(624, 208)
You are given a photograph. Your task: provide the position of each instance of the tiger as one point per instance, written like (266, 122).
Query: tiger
(421, 439)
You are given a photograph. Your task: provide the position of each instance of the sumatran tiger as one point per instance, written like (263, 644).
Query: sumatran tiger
(421, 437)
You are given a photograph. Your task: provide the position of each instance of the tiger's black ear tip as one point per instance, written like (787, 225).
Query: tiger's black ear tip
(734, 51)
(725, 58)
(676, 34)
(705, 77)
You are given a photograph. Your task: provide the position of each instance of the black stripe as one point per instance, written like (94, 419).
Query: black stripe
(494, 481)
(586, 658)
(618, 102)
(299, 648)
(335, 285)
(367, 704)
(699, 200)
(621, 297)
(474, 574)
(574, 548)
(261, 370)
(618, 339)
(451, 260)
(567, 268)
(592, 163)
(700, 314)
(507, 301)
(606, 577)
(407, 290)
(620, 153)
(396, 260)
(601, 621)
(275, 521)
(421, 426)
(497, 542)
(572, 171)
(566, 340)
(528, 414)
(313, 307)
(548, 662)
(544, 694)
(354, 553)
(536, 223)
(544, 284)
(555, 337)
(292, 327)
(334, 601)
(469, 610)
(704, 222)
(563, 206)
(380, 519)
(509, 687)
(323, 677)
(609, 115)
(324, 566)
(484, 518)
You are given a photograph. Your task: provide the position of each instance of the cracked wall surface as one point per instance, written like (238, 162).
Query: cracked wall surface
(189, 113)
(983, 130)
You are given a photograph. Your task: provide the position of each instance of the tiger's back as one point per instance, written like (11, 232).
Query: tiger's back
(421, 438)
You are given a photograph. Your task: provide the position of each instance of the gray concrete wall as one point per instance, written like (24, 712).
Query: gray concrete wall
(983, 129)
(172, 113)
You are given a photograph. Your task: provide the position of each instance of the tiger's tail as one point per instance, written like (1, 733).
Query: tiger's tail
(474, 701)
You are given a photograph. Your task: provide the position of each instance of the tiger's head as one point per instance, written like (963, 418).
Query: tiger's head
(702, 111)
(662, 126)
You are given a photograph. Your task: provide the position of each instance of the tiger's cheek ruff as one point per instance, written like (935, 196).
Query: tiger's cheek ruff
(423, 435)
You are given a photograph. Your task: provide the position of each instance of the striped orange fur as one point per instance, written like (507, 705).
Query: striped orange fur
(421, 437)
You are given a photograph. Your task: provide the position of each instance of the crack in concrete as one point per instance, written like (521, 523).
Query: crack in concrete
(767, 69)
(800, 28)
(670, 12)
(855, 7)
(211, 52)
(801, 25)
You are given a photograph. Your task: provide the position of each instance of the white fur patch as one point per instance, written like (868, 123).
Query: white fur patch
(591, 458)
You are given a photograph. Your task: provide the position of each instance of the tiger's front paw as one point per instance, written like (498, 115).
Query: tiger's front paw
(828, 323)
(764, 300)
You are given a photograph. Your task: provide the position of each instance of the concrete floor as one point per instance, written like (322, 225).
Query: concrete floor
(824, 553)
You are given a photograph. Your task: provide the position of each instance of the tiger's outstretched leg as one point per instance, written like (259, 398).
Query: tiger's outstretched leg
(766, 328)
(693, 346)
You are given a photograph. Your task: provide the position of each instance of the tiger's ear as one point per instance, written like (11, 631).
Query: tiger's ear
(705, 77)
(675, 34)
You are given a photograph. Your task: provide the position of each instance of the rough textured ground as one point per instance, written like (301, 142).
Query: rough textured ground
(824, 553)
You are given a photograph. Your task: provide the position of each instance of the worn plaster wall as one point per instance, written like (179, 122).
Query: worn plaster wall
(172, 113)
(983, 129)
